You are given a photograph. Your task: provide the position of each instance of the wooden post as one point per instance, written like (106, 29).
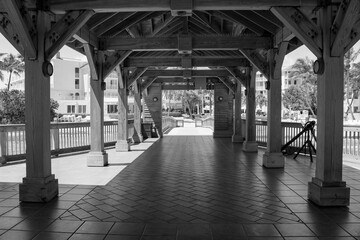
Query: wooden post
(138, 137)
(223, 111)
(273, 157)
(40, 184)
(122, 143)
(3, 144)
(327, 187)
(237, 136)
(250, 144)
(153, 101)
(97, 156)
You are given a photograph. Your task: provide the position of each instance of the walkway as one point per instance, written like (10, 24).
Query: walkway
(187, 187)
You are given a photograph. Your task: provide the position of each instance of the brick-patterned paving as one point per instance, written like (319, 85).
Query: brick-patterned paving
(187, 187)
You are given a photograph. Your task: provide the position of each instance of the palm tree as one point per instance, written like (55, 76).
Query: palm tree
(1, 64)
(13, 65)
(351, 79)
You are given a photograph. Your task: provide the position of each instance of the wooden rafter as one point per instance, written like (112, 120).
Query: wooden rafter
(236, 73)
(354, 36)
(64, 29)
(268, 16)
(84, 35)
(21, 27)
(98, 19)
(146, 83)
(175, 26)
(342, 27)
(203, 17)
(198, 43)
(161, 26)
(105, 26)
(301, 26)
(258, 61)
(259, 21)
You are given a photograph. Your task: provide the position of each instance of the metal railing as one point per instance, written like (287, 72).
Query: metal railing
(64, 137)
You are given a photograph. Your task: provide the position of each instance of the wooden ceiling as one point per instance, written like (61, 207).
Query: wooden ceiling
(165, 33)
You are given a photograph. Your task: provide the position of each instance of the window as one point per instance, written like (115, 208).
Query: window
(82, 109)
(112, 108)
(261, 84)
(261, 75)
(289, 82)
(77, 84)
(294, 82)
(70, 108)
(356, 109)
(77, 96)
(77, 72)
(355, 95)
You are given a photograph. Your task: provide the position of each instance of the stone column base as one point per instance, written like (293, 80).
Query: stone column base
(237, 139)
(97, 159)
(250, 146)
(273, 160)
(330, 194)
(39, 189)
(222, 134)
(138, 138)
(122, 146)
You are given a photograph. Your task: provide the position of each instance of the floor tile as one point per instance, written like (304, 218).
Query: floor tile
(161, 229)
(78, 236)
(352, 228)
(64, 226)
(9, 222)
(95, 227)
(294, 230)
(327, 230)
(52, 236)
(17, 235)
(261, 230)
(129, 229)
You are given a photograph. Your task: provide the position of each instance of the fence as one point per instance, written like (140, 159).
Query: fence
(64, 137)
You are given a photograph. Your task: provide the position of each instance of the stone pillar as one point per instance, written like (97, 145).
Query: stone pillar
(223, 111)
(327, 187)
(40, 184)
(273, 157)
(97, 156)
(122, 143)
(250, 144)
(237, 136)
(138, 137)
(153, 101)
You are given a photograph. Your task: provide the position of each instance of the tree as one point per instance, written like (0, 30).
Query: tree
(1, 64)
(190, 100)
(351, 80)
(12, 107)
(292, 98)
(172, 95)
(261, 100)
(302, 71)
(13, 65)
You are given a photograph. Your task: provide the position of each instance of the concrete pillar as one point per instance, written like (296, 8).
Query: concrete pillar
(223, 111)
(327, 187)
(122, 143)
(97, 156)
(153, 101)
(138, 137)
(273, 157)
(250, 144)
(237, 136)
(40, 184)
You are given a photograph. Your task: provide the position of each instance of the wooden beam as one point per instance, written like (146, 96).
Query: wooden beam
(347, 15)
(98, 19)
(242, 78)
(64, 29)
(176, 62)
(161, 26)
(111, 22)
(91, 58)
(279, 58)
(22, 26)
(9, 32)
(179, 73)
(203, 17)
(198, 43)
(236, 18)
(354, 36)
(302, 27)
(136, 75)
(228, 83)
(114, 60)
(84, 35)
(164, 5)
(259, 21)
(178, 87)
(258, 61)
(174, 80)
(146, 83)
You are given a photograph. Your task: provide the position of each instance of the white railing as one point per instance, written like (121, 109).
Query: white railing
(206, 122)
(64, 137)
(168, 123)
(351, 142)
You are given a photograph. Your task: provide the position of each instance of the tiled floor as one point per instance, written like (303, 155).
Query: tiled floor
(187, 187)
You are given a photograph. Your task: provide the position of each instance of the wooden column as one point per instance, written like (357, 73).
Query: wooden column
(327, 188)
(250, 144)
(153, 101)
(138, 137)
(40, 184)
(223, 111)
(273, 157)
(122, 143)
(237, 136)
(97, 156)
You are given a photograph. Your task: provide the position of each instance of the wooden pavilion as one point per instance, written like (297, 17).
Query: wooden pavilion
(155, 45)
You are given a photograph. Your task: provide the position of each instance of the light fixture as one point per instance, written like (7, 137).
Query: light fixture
(220, 98)
(47, 69)
(103, 86)
(155, 99)
(319, 66)
(267, 85)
